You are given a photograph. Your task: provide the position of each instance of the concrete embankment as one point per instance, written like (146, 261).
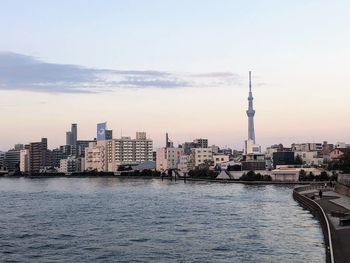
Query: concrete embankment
(325, 208)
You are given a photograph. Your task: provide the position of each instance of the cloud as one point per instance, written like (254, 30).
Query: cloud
(27, 73)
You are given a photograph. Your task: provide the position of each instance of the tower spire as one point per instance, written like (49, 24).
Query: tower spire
(250, 81)
(250, 112)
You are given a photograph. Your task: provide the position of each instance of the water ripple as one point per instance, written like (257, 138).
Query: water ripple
(108, 219)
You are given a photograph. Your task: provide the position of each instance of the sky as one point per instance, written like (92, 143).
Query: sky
(175, 66)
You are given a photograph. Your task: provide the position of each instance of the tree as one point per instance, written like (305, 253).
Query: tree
(324, 176)
(302, 175)
(311, 176)
(298, 160)
(252, 176)
(342, 164)
(235, 167)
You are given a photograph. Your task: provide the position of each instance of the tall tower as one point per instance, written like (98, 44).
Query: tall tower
(250, 112)
(74, 131)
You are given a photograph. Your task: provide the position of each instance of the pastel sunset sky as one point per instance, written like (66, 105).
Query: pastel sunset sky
(178, 66)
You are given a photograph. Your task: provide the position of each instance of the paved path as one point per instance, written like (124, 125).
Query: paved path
(333, 201)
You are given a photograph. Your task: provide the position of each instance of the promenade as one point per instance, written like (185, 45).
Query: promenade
(340, 235)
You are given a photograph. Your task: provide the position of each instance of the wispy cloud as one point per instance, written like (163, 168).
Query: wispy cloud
(21, 72)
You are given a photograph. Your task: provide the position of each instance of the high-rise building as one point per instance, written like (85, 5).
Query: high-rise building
(24, 160)
(101, 131)
(109, 134)
(12, 159)
(74, 131)
(168, 142)
(96, 156)
(127, 151)
(38, 156)
(201, 143)
(2, 158)
(69, 138)
(72, 135)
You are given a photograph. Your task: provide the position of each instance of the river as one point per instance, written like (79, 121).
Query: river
(138, 220)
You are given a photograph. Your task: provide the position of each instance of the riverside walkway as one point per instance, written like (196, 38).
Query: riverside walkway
(332, 203)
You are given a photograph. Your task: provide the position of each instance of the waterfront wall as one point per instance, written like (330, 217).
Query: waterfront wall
(343, 185)
(318, 212)
(342, 189)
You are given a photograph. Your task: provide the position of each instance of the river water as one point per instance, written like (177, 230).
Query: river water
(134, 220)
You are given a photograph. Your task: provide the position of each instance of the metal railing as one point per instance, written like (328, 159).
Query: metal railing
(318, 211)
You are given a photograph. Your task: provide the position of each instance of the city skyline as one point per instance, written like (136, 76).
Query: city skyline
(177, 67)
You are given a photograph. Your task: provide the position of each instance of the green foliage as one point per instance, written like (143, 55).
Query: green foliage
(122, 168)
(343, 164)
(235, 167)
(323, 176)
(252, 176)
(143, 173)
(203, 173)
(303, 176)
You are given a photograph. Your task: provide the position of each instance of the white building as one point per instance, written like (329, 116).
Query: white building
(127, 151)
(168, 158)
(67, 165)
(310, 157)
(220, 159)
(200, 155)
(285, 173)
(306, 147)
(251, 147)
(184, 164)
(96, 156)
(24, 160)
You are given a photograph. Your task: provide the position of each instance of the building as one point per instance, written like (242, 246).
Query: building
(39, 156)
(201, 143)
(251, 147)
(168, 142)
(310, 158)
(12, 160)
(307, 147)
(168, 158)
(57, 155)
(109, 134)
(202, 155)
(288, 173)
(127, 151)
(68, 165)
(196, 143)
(72, 165)
(220, 159)
(96, 156)
(283, 158)
(72, 135)
(74, 130)
(81, 145)
(184, 164)
(338, 153)
(2, 158)
(341, 145)
(69, 138)
(24, 160)
(101, 134)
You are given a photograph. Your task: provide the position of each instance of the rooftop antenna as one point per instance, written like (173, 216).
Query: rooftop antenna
(250, 81)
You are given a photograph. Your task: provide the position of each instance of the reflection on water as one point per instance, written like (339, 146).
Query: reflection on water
(124, 220)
